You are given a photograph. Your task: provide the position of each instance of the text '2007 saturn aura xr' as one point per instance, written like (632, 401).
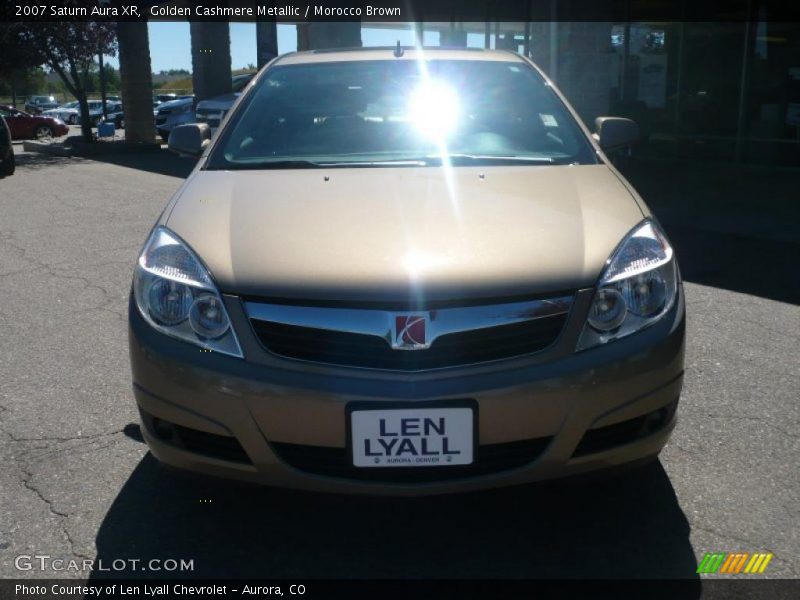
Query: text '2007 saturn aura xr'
(405, 272)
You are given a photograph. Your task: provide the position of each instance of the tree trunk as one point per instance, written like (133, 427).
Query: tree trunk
(302, 37)
(136, 84)
(266, 41)
(86, 120)
(102, 74)
(339, 34)
(72, 82)
(211, 59)
(80, 94)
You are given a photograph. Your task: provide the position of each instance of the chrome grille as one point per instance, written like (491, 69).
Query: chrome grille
(363, 337)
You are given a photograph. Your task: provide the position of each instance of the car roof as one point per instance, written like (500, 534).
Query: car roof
(389, 53)
(176, 102)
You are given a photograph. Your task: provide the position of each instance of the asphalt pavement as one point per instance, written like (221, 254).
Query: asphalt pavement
(77, 483)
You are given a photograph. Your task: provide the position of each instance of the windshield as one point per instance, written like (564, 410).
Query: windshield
(403, 112)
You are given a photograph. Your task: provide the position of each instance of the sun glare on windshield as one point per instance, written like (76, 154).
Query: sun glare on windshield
(434, 109)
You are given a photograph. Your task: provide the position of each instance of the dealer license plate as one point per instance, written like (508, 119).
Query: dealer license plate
(413, 437)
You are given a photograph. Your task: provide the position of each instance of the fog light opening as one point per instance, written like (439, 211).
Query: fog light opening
(162, 429)
(656, 420)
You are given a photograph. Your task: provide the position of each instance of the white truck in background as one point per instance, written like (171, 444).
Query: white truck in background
(213, 110)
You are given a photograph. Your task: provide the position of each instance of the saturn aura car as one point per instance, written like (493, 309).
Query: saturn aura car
(405, 272)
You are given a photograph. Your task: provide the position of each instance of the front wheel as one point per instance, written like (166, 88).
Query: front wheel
(73, 119)
(43, 132)
(7, 167)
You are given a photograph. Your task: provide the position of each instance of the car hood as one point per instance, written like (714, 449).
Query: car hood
(175, 103)
(384, 234)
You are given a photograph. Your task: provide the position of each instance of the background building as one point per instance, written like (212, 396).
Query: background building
(727, 91)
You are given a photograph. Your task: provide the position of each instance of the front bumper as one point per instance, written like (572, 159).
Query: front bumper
(261, 418)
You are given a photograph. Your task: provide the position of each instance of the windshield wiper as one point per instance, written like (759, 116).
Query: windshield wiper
(308, 164)
(426, 161)
(461, 158)
(377, 163)
(276, 164)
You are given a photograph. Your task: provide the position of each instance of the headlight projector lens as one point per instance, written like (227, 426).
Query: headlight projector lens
(169, 301)
(207, 317)
(608, 310)
(645, 294)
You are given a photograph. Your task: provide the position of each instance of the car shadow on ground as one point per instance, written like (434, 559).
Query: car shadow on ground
(733, 227)
(736, 262)
(627, 526)
(161, 162)
(35, 161)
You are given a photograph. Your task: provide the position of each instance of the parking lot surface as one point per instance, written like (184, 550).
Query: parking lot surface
(78, 483)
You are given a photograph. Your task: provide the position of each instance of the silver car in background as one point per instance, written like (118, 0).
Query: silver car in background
(213, 110)
(173, 113)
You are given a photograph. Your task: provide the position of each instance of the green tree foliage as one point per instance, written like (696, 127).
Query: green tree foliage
(19, 72)
(69, 49)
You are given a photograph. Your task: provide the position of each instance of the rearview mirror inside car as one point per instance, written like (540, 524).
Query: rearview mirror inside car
(190, 140)
(615, 132)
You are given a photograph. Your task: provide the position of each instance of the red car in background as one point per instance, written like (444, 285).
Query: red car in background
(25, 127)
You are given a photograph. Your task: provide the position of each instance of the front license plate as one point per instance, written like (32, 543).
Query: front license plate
(413, 437)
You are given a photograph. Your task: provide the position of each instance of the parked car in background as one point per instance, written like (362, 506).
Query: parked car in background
(213, 110)
(38, 104)
(174, 113)
(116, 115)
(7, 163)
(24, 126)
(96, 111)
(66, 112)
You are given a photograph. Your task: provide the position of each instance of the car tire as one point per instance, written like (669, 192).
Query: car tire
(7, 168)
(43, 132)
(73, 119)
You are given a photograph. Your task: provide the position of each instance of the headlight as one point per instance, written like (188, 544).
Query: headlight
(174, 292)
(637, 288)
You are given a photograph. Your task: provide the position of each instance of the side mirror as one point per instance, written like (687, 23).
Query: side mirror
(189, 140)
(615, 132)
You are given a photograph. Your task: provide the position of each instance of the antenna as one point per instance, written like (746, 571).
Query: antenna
(398, 50)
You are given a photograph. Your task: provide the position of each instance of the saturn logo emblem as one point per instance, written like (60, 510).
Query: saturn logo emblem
(410, 332)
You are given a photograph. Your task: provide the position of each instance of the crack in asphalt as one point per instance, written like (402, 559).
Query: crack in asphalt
(96, 436)
(27, 476)
(108, 297)
(28, 473)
